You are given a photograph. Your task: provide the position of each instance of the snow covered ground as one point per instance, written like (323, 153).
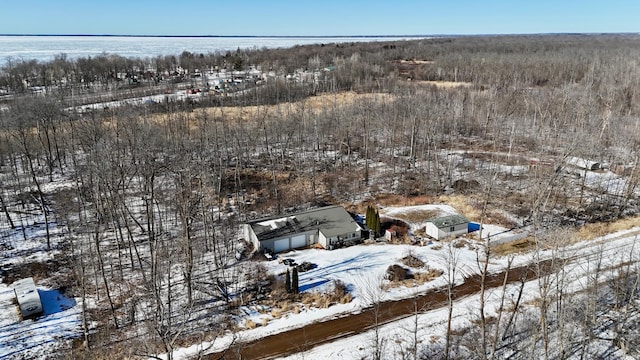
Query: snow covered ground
(606, 252)
(180, 95)
(35, 338)
(357, 266)
(360, 267)
(24, 251)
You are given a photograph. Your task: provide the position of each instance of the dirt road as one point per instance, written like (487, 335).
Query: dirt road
(307, 337)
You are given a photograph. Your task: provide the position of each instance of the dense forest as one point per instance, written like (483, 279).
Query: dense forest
(140, 204)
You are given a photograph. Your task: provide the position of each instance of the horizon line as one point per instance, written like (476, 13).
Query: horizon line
(317, 36)
(218, 36)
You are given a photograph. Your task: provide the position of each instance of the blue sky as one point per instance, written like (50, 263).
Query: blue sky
(328, 17)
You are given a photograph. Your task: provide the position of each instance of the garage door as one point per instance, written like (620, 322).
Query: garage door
(298, 241)
(281, 245)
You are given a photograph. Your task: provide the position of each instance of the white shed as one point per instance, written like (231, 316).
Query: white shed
(28, 298)
(447, 226)
(583, 163)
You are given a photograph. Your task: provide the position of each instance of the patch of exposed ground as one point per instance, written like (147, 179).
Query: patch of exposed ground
(387, 199)
(416, 273)
(399, 276)
(594, 230)
(398, 227)
(513, 247)
(417, 216)
(313, 104)
(37, 270)
(444, 84)
(399, 200)
(412, 261)
(464, 205)
(585, 232)
(279, 303)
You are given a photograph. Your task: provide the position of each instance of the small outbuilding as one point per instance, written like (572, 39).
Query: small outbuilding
(447, 226)
(28, 298)
(389, 234)
(583, 163)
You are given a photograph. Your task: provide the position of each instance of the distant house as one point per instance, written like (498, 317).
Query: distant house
(330, 227)
(583, 163)
(447, 226)
(28, 298)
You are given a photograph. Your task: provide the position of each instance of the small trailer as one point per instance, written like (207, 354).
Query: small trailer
(28, 298)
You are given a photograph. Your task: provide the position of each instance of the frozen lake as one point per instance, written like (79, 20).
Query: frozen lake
(44, 48)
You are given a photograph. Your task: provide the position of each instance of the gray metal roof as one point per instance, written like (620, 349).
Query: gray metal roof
(331, 220)
(448, 221)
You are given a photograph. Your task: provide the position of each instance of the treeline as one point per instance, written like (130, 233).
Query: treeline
(601, 62)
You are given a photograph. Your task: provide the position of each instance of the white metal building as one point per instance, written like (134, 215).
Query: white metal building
(330, 226)
(28, 298)
(583, 163)
(447, 226)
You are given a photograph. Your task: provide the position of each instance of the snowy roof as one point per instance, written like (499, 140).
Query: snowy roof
(449, 220)
(27, 295)
(24, 287)
(331, 220)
